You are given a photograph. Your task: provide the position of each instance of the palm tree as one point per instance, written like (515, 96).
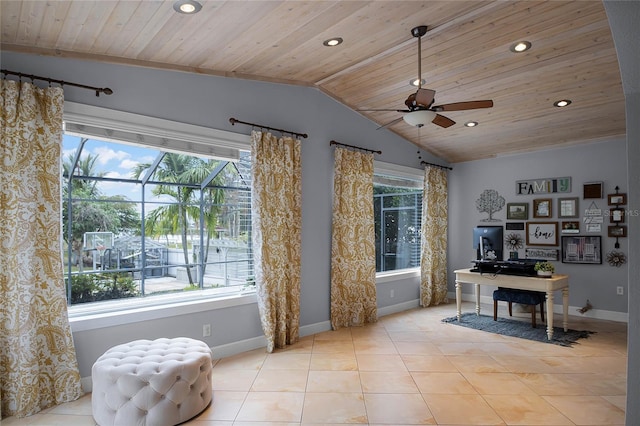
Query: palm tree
(183, 175)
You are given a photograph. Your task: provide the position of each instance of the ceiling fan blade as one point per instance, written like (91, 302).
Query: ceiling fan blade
(443, 121)
(461, 106)
(425, 97)
(391, 123)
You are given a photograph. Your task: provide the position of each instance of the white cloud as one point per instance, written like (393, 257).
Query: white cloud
(107, 154)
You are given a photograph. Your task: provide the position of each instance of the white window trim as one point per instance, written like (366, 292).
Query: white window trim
(381, 167)
(396, 170)
(147, 310)
(166, 135)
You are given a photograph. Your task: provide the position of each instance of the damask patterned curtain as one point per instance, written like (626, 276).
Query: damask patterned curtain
(38, 366)
(277, 223)
(353, 254)
(433, 262)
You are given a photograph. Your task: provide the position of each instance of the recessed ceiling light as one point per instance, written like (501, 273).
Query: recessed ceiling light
(416, 82)
(187, 6)
(332, 41)
(562, 103)
(471, 123)
(520, 46)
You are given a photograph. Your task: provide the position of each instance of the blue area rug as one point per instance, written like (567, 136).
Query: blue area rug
(521, 329)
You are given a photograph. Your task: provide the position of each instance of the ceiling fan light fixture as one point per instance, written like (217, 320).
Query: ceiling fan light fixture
(419, 117)
(520, 46)
(562, 103)
(471, 124)
(333, 41)
(417, 82)
(188, 7)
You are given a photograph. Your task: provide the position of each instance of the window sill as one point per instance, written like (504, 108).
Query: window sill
(387, 276)
(81, 319)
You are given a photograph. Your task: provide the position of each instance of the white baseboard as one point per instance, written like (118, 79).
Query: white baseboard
(400, 307)
(557, 309)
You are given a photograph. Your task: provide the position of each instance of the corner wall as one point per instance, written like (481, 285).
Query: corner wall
(605, 161)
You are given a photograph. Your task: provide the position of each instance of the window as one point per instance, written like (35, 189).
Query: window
(397, 202)
(142, 219)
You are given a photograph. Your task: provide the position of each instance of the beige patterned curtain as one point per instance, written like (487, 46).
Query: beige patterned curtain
(277, 216)
(353, 254)
(433, 262)
(38, 366)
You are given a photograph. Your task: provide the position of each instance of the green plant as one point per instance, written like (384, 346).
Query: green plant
(106, 286)
(544, 266)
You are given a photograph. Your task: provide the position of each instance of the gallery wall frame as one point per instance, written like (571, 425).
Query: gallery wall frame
(542, 208)
(616, 215)
(514, 226)
(542, 253)
(582, 249)
(542, 233)
(570, 227)
(517, 211)
(592, 190)
(568, 207)
(617, 199)
(617, 231)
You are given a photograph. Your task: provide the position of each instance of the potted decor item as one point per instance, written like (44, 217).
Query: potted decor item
(544, 269)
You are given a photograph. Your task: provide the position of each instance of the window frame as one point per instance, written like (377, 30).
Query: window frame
(406, 172)
(166, 135)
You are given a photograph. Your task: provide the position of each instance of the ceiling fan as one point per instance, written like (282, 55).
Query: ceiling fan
(421, 109)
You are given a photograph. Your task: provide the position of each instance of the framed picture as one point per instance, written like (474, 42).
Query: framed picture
(616, 215)
(617, 231)
(567, 207)
(542, 233)
(592, 190)
(616, 199)
(581, 249)
(518, 211)
(542, 208)
(514, 226)
(542, 253)
(570, 227)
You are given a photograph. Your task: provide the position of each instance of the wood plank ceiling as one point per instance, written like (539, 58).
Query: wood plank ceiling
(465, 56)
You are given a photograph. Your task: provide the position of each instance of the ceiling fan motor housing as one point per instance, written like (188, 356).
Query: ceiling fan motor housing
(419, 31)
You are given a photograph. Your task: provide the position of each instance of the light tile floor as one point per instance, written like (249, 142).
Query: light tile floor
(408, 369)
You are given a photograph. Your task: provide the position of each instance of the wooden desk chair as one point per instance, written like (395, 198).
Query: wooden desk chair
(524, 297)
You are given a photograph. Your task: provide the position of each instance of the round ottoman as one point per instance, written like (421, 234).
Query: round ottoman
(151, 382)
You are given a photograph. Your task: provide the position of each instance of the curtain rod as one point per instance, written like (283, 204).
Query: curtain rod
(233, 121)
(32, 77)
(355, 147)
(435, 165)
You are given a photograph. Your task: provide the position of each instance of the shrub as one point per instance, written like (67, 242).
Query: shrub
(97, 287)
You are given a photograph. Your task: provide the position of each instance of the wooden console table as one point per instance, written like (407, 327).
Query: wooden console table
(547, 285)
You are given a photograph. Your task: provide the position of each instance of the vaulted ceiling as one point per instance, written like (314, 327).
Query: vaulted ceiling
(465, 56)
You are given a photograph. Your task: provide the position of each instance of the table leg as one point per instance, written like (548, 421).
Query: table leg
(477, 299)
(565, 308)
(549, 315)
(458, 299)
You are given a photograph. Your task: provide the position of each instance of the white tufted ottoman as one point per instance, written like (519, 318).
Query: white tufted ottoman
(151, 382)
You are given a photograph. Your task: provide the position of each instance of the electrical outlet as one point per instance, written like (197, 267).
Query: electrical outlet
(620, 290)
(206, 330)
(392, 294)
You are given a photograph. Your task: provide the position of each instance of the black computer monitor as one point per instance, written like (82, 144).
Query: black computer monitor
(488, 242)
